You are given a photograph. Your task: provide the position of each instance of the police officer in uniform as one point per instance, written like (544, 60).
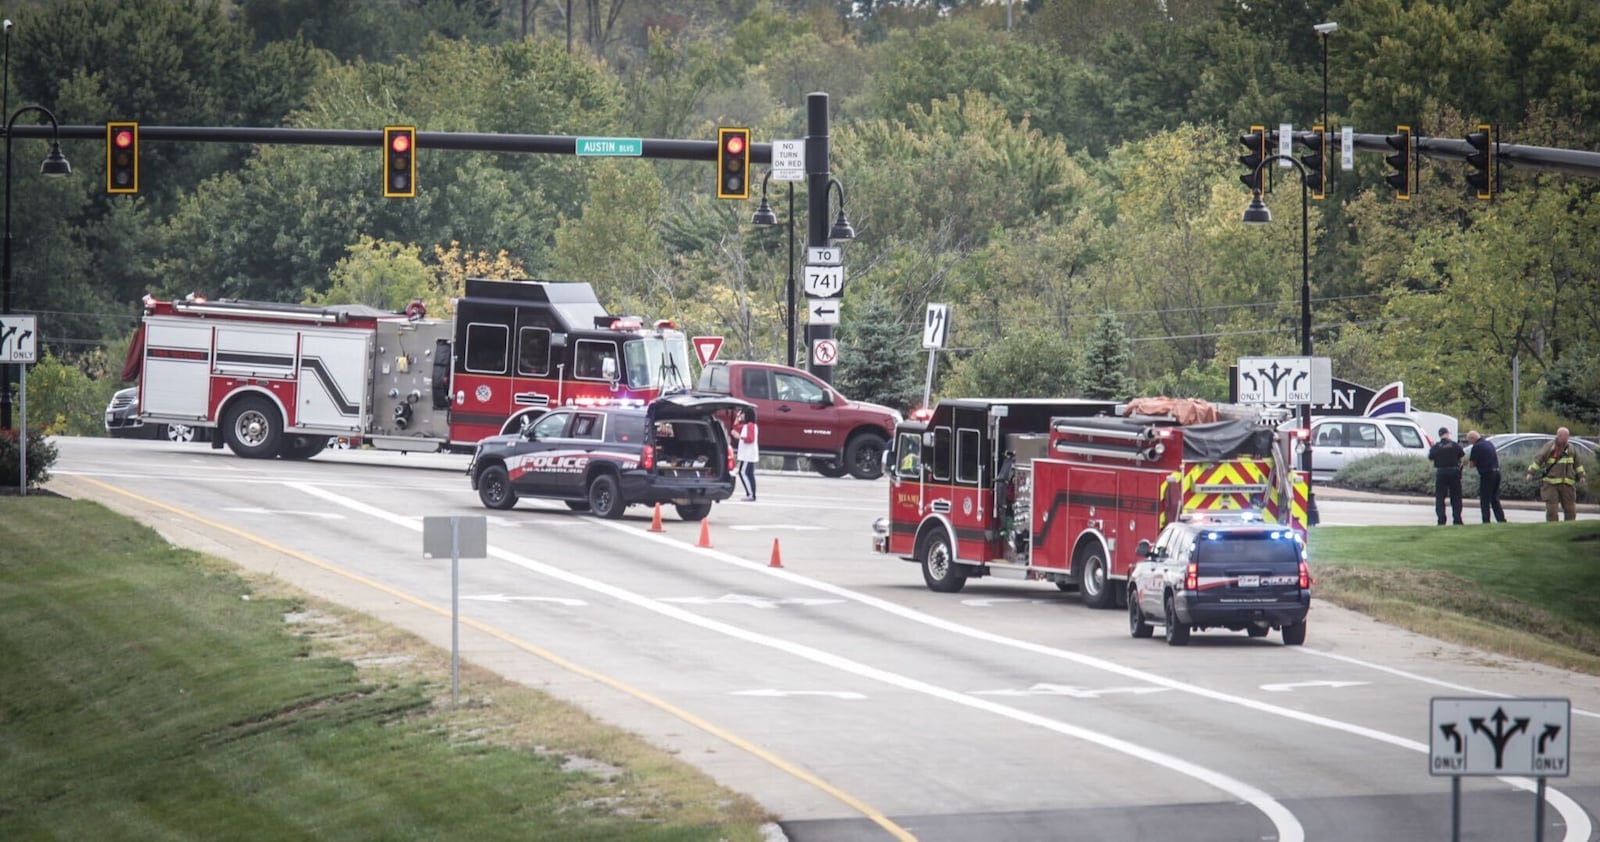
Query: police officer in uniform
(1446, 457)
(1483, 457)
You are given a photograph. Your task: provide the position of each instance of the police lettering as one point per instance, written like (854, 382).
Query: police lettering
(555, 464)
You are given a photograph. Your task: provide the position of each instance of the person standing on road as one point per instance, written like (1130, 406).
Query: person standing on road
(1446, 457)
(749, 453)
(1559, 474)
(1482, 456)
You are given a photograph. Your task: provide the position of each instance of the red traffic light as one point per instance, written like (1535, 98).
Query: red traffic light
(400, 142)
(122, 138)
(733, 163)
(122, 157)
(735, 144)
(399, 162)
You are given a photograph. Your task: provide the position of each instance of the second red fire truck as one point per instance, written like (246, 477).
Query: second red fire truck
(282, 380)
(1064, 490)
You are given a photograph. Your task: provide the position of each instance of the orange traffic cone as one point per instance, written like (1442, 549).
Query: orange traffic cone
(705, 534)
(655, 522)
(777, 561)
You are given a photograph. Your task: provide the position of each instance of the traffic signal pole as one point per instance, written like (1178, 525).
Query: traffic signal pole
(818, 177)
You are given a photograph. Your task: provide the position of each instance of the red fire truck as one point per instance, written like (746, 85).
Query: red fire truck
(284, 379)
(1063, 491)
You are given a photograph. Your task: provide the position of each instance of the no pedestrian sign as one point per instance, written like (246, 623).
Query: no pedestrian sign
(1479, 736)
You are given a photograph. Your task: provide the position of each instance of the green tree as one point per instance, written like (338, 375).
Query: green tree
(1107, 357)
(387, 276)
(1025, 363)
(879, 352)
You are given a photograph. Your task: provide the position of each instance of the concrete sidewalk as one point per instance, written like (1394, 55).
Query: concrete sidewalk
(1326, 492)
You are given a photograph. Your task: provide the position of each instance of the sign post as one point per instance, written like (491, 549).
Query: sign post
(460, 537)
(19, 343)
(935, 333)
(1499, 737)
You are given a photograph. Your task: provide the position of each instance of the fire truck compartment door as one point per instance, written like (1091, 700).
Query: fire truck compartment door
(332, 378)
(177, 369)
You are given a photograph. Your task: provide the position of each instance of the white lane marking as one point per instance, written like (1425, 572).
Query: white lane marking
(767, 527)
(1579, 825)
(1421, 678)
(1285, 824)
(775, 693)
(500, 597)
(752, 601)
(256, 510)
(1068, 690)
(1295, 685)
(985, 602)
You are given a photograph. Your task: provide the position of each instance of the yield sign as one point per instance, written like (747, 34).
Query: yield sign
(706, 347)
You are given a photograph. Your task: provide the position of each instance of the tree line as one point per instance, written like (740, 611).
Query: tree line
(1066, 179)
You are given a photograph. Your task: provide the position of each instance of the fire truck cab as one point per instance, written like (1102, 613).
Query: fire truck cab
(1064, 491)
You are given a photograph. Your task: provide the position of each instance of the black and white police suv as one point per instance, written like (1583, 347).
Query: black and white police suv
(604, 457)
(1219, 570)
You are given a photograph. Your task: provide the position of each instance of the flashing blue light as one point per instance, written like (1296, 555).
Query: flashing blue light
(1212, 536)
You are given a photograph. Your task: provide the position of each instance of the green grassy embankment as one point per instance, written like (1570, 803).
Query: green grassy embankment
(149, 692)
(1528, 590)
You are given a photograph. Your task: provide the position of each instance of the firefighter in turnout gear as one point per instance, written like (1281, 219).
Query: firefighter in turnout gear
(1559, 474)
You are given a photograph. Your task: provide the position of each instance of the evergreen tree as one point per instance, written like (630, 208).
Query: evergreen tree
(880, 359)
(1107, 357)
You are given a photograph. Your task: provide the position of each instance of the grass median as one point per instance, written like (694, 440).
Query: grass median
(1527, 590)
(150, 692)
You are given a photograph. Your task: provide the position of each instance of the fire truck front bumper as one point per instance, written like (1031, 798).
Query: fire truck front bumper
(880, 535)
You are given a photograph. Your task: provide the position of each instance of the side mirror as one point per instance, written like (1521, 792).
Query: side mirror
(1145, 550)
(608, 368)
(826, 399)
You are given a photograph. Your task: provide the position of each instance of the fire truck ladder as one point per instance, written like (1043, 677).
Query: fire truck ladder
(1145, 444)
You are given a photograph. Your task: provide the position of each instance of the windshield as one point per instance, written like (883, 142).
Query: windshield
(659, 362)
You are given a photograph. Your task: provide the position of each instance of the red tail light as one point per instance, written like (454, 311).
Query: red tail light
(1305, 576)
(1191, 577)
(647, 458)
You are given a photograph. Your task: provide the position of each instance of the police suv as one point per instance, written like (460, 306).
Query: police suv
(1221, 570)
(604, 456)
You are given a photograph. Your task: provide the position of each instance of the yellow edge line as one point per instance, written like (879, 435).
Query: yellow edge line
(857, 804)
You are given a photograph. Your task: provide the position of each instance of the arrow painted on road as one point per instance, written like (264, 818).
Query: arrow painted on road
(500, 597)
(1294, 685)
(1068, 690)
(251, 510)
(762, 602)
(774, 693)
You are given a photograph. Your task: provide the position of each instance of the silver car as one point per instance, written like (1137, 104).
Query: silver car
(1337, 441)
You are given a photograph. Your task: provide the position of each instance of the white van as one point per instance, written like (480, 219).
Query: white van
(1336, 441)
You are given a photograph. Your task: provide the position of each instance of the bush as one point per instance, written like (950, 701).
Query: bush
(41, 456)
(1391, 474)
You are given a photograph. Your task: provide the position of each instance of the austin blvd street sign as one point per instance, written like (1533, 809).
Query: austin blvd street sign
(630, 147)
(1487, 736)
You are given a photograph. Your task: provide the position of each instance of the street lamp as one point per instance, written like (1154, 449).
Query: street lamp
(765, 216)
(1259, 214)
(55, 164)
(1324, 30)
(841, 229)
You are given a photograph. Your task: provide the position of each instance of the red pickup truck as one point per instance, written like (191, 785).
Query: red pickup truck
(800, 415)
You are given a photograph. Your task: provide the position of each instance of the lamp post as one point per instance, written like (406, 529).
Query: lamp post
(55, 164)
(1324, 30)
(765, 216)
(1259, 214)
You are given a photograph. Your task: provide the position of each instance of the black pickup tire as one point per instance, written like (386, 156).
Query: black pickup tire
(829, 468)
(605, 497)
(494, 488)
(940, 570)
(253, 428)
(863, 456)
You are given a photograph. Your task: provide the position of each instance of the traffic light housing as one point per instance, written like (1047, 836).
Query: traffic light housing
(399, 162)
(1256, 142)
(1400, 179)
(122, 157)
(1483, 174)
(1315, 160)
(733, 163)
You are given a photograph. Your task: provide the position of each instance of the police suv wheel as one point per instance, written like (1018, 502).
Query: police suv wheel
(1294, 634)
(605, 497)
(494, 488)
(1138, 626)
(1177, 633)
(693, 512)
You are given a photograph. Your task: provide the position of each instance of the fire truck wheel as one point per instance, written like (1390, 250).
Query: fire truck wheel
(1177, 633)
(494, 488)
(1294, 634)
(605, 497)
(864, 456)
(693, 512)
(1093, 578)
(302, 447)
(828, 468)
(1137, 625)
(939, 567)
(253, 428)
